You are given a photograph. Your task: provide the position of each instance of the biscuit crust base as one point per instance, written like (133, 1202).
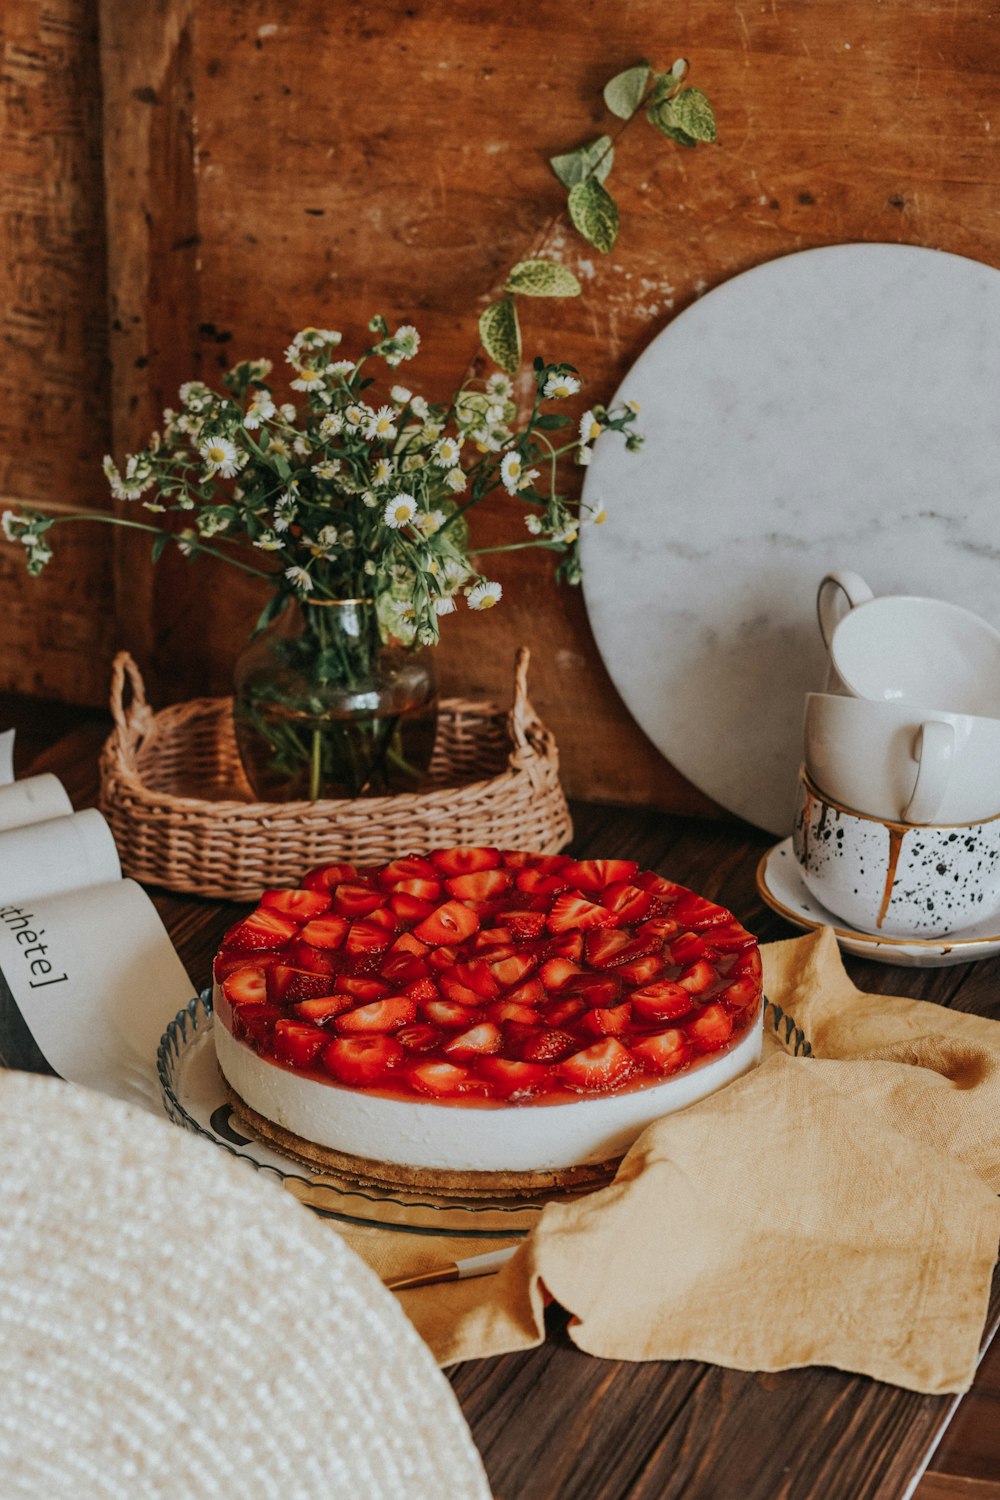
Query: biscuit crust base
(361, 1171)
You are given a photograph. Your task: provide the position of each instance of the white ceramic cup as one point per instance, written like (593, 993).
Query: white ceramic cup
(898, 761)
(900, 648)
(885, 877)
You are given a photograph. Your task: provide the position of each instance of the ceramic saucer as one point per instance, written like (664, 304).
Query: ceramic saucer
(782, 887)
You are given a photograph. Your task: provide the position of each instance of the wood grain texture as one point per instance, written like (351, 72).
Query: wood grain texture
(56, 632)
(557, 1422)
(393, 157)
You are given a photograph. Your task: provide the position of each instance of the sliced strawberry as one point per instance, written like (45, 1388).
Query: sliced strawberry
(423, 989)
(750, 963)
(536, 882)
(556, 971)
(686, 948)
(731, 938)
(566, 945)
(594, 989)
(482, 885)
(383, 917)
(256, 1023)
(297, 1043)
(666, 890)
(246, 986)
(476, 1042)
(609, 1021)
(595, 874)
(419, 1037)
(447, 1014)
(513, 968)
(441, 958)
(409, 909)
(607, 945)
(327, 876)
(403, 969)
(362, 1061)
(659, 930)
(325, 932)
(379, 1015)
(465, 861)
(691, 910)
(562, 1012)
(477, 976)
(491, 937)
(503, 1011)
(531, 992)
(521, 859)
(350, 900)
(698, 978)
(300, 905)
(630, 903)
(570, 911)
(412, 867)
(324, 1008)
(367, 937)
(287, 984)
(460, 993)
(227, 962)
(662, 1051)
(261, 930)
(450, 923)
(600, 1067)
(546, 1046)
(423, 890)
(361, 989)
(524, 923)
(438, 1079)
(711, 1028)
(302, 955)
(510, 1079)
(662, 1001)
(741, 995)
(407, 943)
(641, 970)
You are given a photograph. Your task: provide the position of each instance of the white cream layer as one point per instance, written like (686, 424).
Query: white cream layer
(494, 1138)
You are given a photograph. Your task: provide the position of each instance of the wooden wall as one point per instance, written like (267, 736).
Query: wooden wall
(269, 165)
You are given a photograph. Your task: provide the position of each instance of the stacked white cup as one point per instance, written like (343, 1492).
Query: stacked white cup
(897, 824)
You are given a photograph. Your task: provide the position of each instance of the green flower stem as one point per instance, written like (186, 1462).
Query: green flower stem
(316, 765)
(100, 515)
(515, 547)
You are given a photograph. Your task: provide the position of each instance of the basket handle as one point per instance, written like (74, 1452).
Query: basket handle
(133, 719)
(522, 716)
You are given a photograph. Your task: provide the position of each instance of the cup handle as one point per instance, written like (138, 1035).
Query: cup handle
(933, 748)
(851, 584)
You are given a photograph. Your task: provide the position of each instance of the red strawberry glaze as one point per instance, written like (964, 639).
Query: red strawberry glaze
(526, 979)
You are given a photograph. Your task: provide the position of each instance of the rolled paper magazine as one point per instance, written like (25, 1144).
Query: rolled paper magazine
(61, 854)
(36, 799)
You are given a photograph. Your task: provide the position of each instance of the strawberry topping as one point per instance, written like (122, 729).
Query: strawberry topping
(475, 973)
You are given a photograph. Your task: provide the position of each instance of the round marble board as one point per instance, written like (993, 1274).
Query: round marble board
(831, 409)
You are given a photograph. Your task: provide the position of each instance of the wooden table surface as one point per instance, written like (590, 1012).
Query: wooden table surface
(555, 1422)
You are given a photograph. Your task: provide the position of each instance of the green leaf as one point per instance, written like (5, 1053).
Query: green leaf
(501, 334)
(593, 160)
(594, 214)
(624, 93)
(160, 545)
(542, 278)
(654, 116)
(272, 608)
(550, 422)
(690, 112)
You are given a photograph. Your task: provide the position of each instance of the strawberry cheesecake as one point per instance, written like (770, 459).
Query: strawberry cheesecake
(475, 1017)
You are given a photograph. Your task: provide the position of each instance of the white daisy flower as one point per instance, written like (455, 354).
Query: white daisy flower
(288, 411)
(340, 367)
(212, 524)
(484, 595)
(558, 387)
(403, 609)
(328, 469)
(534, 525)
(187, 542)
(279, 446)
(293, 354)
(445, 606)
(494, 415)
(269, 542)
(429, 522)
(584, 455)
(327, 536)
(455, 572)
(413, 461)
(514, 475)
(590, 427)
(194, 394)
(382, 426)
(368, 500)
(400, 511)
(306, 379)
(370, 567)
(500, 387)
(400, 394)
(446, 452)
(315, 338)
(357, 416)
(382, 472)
(219, 456)
(596, 516)
(302, 446)
(260, 409)
(634, 406)
(419, 407)
(407, 341)
(10, 523)
(456, 481)
(331, 425)
(299, 579)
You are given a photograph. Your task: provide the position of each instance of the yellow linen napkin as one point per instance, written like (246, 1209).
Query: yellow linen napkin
(835, 1210)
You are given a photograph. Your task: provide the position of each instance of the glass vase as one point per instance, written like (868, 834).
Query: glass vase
(323, 709)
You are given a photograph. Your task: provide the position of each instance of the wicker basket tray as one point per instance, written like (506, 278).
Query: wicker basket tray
(183, 815)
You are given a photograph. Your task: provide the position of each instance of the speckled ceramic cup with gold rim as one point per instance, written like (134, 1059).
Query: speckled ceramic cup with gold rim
(896, 879)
